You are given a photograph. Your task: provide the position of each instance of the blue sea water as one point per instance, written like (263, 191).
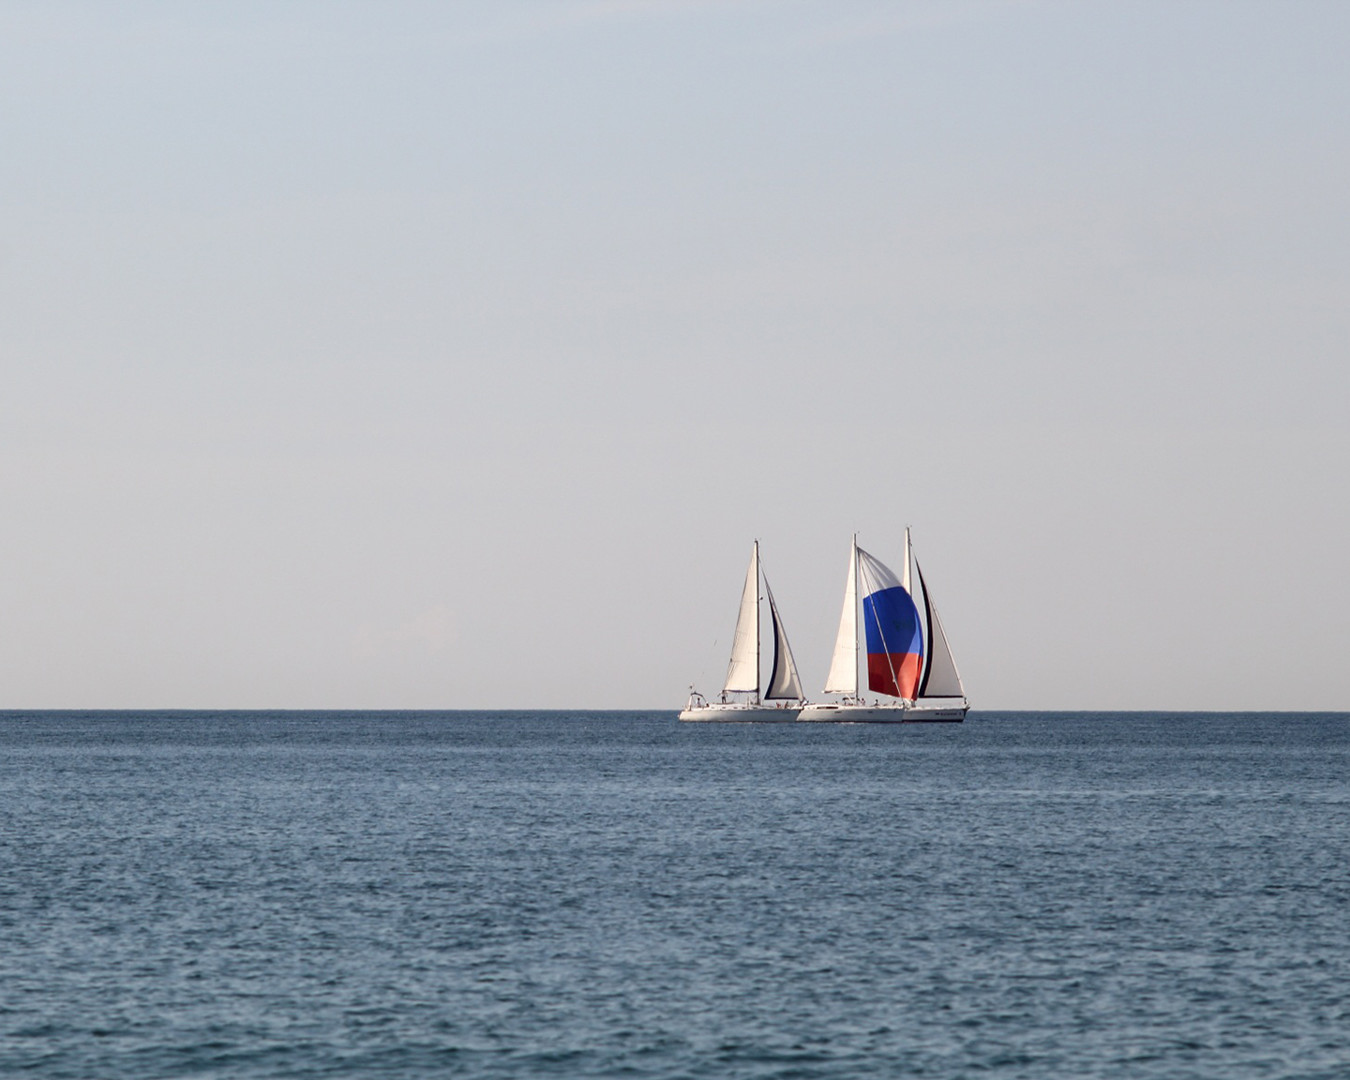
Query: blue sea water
(601, 895)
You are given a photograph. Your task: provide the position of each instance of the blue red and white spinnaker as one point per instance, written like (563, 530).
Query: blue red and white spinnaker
(908, 660)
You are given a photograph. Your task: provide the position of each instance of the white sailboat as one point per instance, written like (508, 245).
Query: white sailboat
(784, 688)
(909, 660)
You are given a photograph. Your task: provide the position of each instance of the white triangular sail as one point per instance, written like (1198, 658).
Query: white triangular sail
(783, 681)
(843, 677)
(743, 671)
(941, 679)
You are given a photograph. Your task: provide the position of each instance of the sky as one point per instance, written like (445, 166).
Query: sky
(423, 355)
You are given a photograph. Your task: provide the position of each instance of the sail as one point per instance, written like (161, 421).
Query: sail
(941, 679)
(783, 681)
(743, 671)
(843, 677)
(891, 623)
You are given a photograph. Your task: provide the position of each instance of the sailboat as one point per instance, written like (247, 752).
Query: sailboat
(784, 687)
(908, 658)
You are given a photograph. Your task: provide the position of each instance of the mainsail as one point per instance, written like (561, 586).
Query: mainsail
(941, 679)
(743, 671)
(843, 677)
(783, 681)
(891, 624)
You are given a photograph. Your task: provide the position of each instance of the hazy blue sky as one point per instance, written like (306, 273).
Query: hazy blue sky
(451, 355)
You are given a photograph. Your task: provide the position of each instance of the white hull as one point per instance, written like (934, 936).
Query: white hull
(919, 713)
(717, 712)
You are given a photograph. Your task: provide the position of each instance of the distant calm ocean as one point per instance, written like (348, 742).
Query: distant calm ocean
(523, 895)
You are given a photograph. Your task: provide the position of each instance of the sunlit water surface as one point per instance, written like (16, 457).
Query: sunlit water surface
(565, 894)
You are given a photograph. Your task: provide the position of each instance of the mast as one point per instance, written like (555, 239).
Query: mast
(754, 560)
(857, 599)
(904, 572)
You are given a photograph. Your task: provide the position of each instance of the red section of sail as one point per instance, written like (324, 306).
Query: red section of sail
(903, 683)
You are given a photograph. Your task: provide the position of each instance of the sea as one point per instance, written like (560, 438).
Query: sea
(615, 894)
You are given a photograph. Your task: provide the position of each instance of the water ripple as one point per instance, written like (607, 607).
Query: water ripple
(535, 895)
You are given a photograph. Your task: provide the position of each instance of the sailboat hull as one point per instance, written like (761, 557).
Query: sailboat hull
(919, 713)
(733, 713)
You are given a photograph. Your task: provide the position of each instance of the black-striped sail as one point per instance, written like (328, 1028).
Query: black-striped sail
(940, 677)
(783, 682)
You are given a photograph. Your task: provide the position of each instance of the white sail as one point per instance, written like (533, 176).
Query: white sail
(843, 677)
(783, 680)
(743, 671)
(941, 679)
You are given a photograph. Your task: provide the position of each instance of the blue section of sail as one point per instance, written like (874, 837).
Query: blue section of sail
(892, 622)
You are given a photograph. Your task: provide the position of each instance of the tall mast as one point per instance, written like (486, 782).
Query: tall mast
(755, 559)
(857, 599)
